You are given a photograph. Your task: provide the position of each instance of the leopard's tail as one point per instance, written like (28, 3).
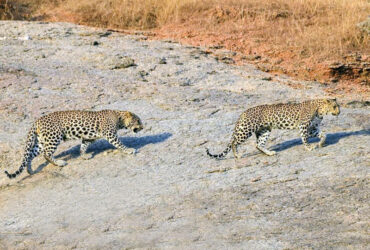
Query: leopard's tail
(28, 154)
(221, 155)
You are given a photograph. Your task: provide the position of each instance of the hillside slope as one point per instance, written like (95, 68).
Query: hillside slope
(170, 195)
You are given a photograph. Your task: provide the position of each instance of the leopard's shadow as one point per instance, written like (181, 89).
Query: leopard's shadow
(330, 139)
(102, 145)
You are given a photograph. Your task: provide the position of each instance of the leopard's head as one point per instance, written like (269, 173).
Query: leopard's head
(129, 120)
(329, 106)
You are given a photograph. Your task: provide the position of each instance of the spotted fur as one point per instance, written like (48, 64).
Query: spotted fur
(305, 116)
(50, 130)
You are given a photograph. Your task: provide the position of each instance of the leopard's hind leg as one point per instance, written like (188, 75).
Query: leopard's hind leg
(234, 146)
(239, 137)
(49, 144)
(37, 149)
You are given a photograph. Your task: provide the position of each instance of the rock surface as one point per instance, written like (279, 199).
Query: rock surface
(169, 195)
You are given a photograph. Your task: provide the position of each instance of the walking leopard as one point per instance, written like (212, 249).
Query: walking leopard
(305, 116)
(50, 130)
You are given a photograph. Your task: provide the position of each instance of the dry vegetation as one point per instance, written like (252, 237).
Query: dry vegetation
(298, 37)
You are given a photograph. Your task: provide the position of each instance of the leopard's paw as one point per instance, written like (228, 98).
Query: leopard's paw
(60, 163)
(130, 151)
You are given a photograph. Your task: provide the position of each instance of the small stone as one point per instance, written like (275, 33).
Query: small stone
(358, 104)
(95, 43)
(105, 34)
(120, 62)
(227, 60)
(336, 65)
(264, 67)
(25, 38)
(252, 57)
(267, 78)
(256, 179)
(185, 82)
(216, 47)
(143, 73)
(169, 41)
(162, 61)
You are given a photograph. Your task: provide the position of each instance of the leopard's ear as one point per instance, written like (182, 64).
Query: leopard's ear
(122, 116)
(127, 118)
(333, 101)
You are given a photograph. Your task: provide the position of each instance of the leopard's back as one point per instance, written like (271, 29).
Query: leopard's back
(74, 124)
(280, 116)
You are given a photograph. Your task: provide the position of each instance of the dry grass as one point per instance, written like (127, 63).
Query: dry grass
(14, 10)
(310, 25)
(306, 31)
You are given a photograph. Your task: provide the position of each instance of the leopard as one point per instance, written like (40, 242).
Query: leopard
(305, 116)
(48, 131)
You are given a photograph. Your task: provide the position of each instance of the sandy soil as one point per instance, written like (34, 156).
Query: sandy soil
(170, 195)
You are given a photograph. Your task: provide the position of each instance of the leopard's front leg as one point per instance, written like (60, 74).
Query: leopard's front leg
(304, 131)
(314, 131)
(262, 136)
(322, 137)
(84, 145)
(112, 138)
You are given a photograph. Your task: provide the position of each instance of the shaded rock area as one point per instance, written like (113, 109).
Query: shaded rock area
(357, 67)
(170, 194)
